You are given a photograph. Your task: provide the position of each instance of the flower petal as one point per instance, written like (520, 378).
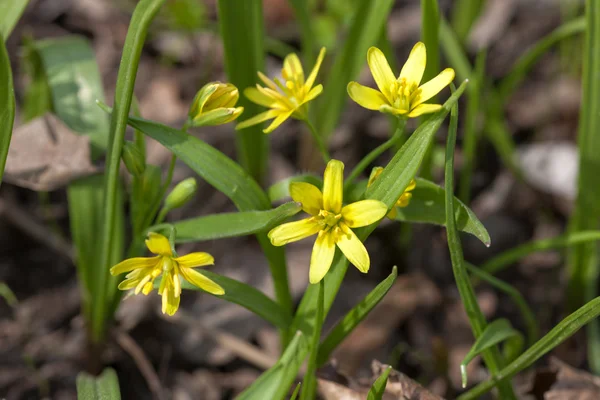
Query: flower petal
(363, 213)
(257, 119)
(321, 257)
(308, 195)
(424, 109)
(158, 244)
(381, 71)
(375, 172)
(133, 263)
(293, 231)
(433, 87)
(313, 74)
(393, 213)
(292, 69)
(353, 248)
(414, 67)
(411, 186)
(387, 109)
(366, 97)
(201, 281)
(192, 260)
(170, 302)
(333, 186)
(278, 121)
(267, 81)
(258, 97)
(314, 92)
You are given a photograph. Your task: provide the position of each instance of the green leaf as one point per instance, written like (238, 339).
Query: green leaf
(37, 99)
(75, 84)
(275, 383)
(427, 206)
(296, 391)
(561, 332)
(464, 13)
(351, 320)
(378, 389)
(243, 32)
(281, 189)
(246, 296)
(10, 13)
(216, 168)
(226, 225)
(102, 387)
(8, 295)
(497, 331)
(367, 23)
(7, 106)
(310, 378)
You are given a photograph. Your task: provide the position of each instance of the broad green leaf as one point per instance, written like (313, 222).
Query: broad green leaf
(275, 383)
(102, 387)
(351, 320)
(281, 189)
(10, 13)
(75, 84)
(216, 168)
(7, 106)
(561, 332)
(219, 226)
(497, 331)
(242, 29)
(367, 23)
(85, 197)
(378, 388)
(247, 297)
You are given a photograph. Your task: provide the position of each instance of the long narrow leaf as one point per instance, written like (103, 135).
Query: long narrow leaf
(10, 13)
(309, 385)
(102, 387)
(7, 106)
(378, 389)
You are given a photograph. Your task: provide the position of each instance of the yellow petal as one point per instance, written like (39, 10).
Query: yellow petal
(433, 87)
(404, 200)
(308, 195)
(258, 97)
(158, 244)
(381, 71)
(195, 260)
(201, 281)
(314, 92)
(278, 121)
(134, 278)
(333, 186)
(391, 110)
(142, 282)
(363, 213)
(414, 67)
(321, 257)
(170, 302)
(313, 74)
(267, 81)
(393, 213)
(375, 172)
(292, 69)
(366, 97)
(293, 231)
(353, 248)
(424, 109)
(411, 185)
(257, 119)
(134, 263)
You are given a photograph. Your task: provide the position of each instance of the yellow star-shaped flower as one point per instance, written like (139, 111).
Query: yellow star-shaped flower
(331, 220)
(287, 99)
(402, 95)
(144, 270)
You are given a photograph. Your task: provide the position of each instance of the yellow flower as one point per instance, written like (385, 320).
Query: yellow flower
(402, 96)
(214, 104)
(287, 99)
(404, 199)
(144, 270)
(331, 221)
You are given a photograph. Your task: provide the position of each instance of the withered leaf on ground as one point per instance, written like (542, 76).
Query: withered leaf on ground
(45, 155)
(572, 384)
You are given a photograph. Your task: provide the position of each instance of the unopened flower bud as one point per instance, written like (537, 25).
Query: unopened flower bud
(133, 159)
(181, 194)
(214, 104)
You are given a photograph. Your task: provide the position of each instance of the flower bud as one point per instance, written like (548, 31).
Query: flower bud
(133, 159)
(181, 194)
(214, 104)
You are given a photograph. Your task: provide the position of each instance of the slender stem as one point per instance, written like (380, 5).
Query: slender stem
(376, 152)
(319, 140)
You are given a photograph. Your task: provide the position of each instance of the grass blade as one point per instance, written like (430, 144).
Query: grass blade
(7, 106)
(10, 13)
(309, 385)
(378, 389)
(242, 30)
(463, 282)
(430, 22)
(464, 14)
(354, 317)
(102, 387)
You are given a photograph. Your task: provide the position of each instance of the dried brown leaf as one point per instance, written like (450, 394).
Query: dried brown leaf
(45, 155)
(572, 384)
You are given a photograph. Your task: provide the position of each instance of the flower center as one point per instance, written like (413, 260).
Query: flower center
(329, 219)
(403, 94)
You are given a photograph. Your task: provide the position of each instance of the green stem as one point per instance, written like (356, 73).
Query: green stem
(132, 50)
(376, 152)
(319, 140)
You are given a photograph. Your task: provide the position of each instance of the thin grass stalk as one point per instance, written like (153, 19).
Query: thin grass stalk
(464, 14)
(302, 12)
(491, 356)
